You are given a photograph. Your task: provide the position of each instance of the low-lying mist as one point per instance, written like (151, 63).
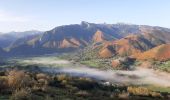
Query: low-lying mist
(139, 76)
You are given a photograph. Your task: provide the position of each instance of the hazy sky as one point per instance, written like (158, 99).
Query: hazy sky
(20, 15)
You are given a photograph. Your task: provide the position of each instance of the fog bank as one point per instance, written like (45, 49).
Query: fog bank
(140, 76)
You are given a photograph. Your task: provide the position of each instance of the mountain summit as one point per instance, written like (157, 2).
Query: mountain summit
(122, 38)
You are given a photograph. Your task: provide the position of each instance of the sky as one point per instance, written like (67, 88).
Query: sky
(24, 15)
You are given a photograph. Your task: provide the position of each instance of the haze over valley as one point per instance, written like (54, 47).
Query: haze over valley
(45, 55)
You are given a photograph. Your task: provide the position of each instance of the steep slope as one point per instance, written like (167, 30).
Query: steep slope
(100, 36)
(72, 37)
(129, 45)
(147, 38)
(157, 32)
(161, 53)
(69, 37)
(107, 52)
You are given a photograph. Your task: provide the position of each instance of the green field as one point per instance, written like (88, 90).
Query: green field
(158, 88)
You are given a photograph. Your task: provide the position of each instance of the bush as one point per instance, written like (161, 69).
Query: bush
(42, 79)
(138, 91)
(18, 79)
(123, 95)
(3, 83)
(155, 94)
(22, 94)
(62, 77)
(2, 73)
(42, 76)
(82, 93)
(143, 92)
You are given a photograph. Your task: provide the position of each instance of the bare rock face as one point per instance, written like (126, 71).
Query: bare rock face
(98, 36)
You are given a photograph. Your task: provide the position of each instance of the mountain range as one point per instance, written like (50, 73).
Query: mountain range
(7, 39)
(109, 39)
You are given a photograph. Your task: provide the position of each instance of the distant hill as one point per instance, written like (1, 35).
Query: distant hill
(129, 45)
(6, 39)
(160, 53)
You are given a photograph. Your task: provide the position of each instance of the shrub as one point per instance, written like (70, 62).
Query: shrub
(82, 93)
(3, 83)
(2, 73)
(123, 95)
(43, 79)
(43, 82)
(22, 94)
(138, 91)
(18, 79)
(42, 76)
(62, 77)
(155, 94)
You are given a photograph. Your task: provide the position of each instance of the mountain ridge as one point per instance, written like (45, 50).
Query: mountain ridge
(75, 36)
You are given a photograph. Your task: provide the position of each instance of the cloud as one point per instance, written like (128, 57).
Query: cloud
(8, 17)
